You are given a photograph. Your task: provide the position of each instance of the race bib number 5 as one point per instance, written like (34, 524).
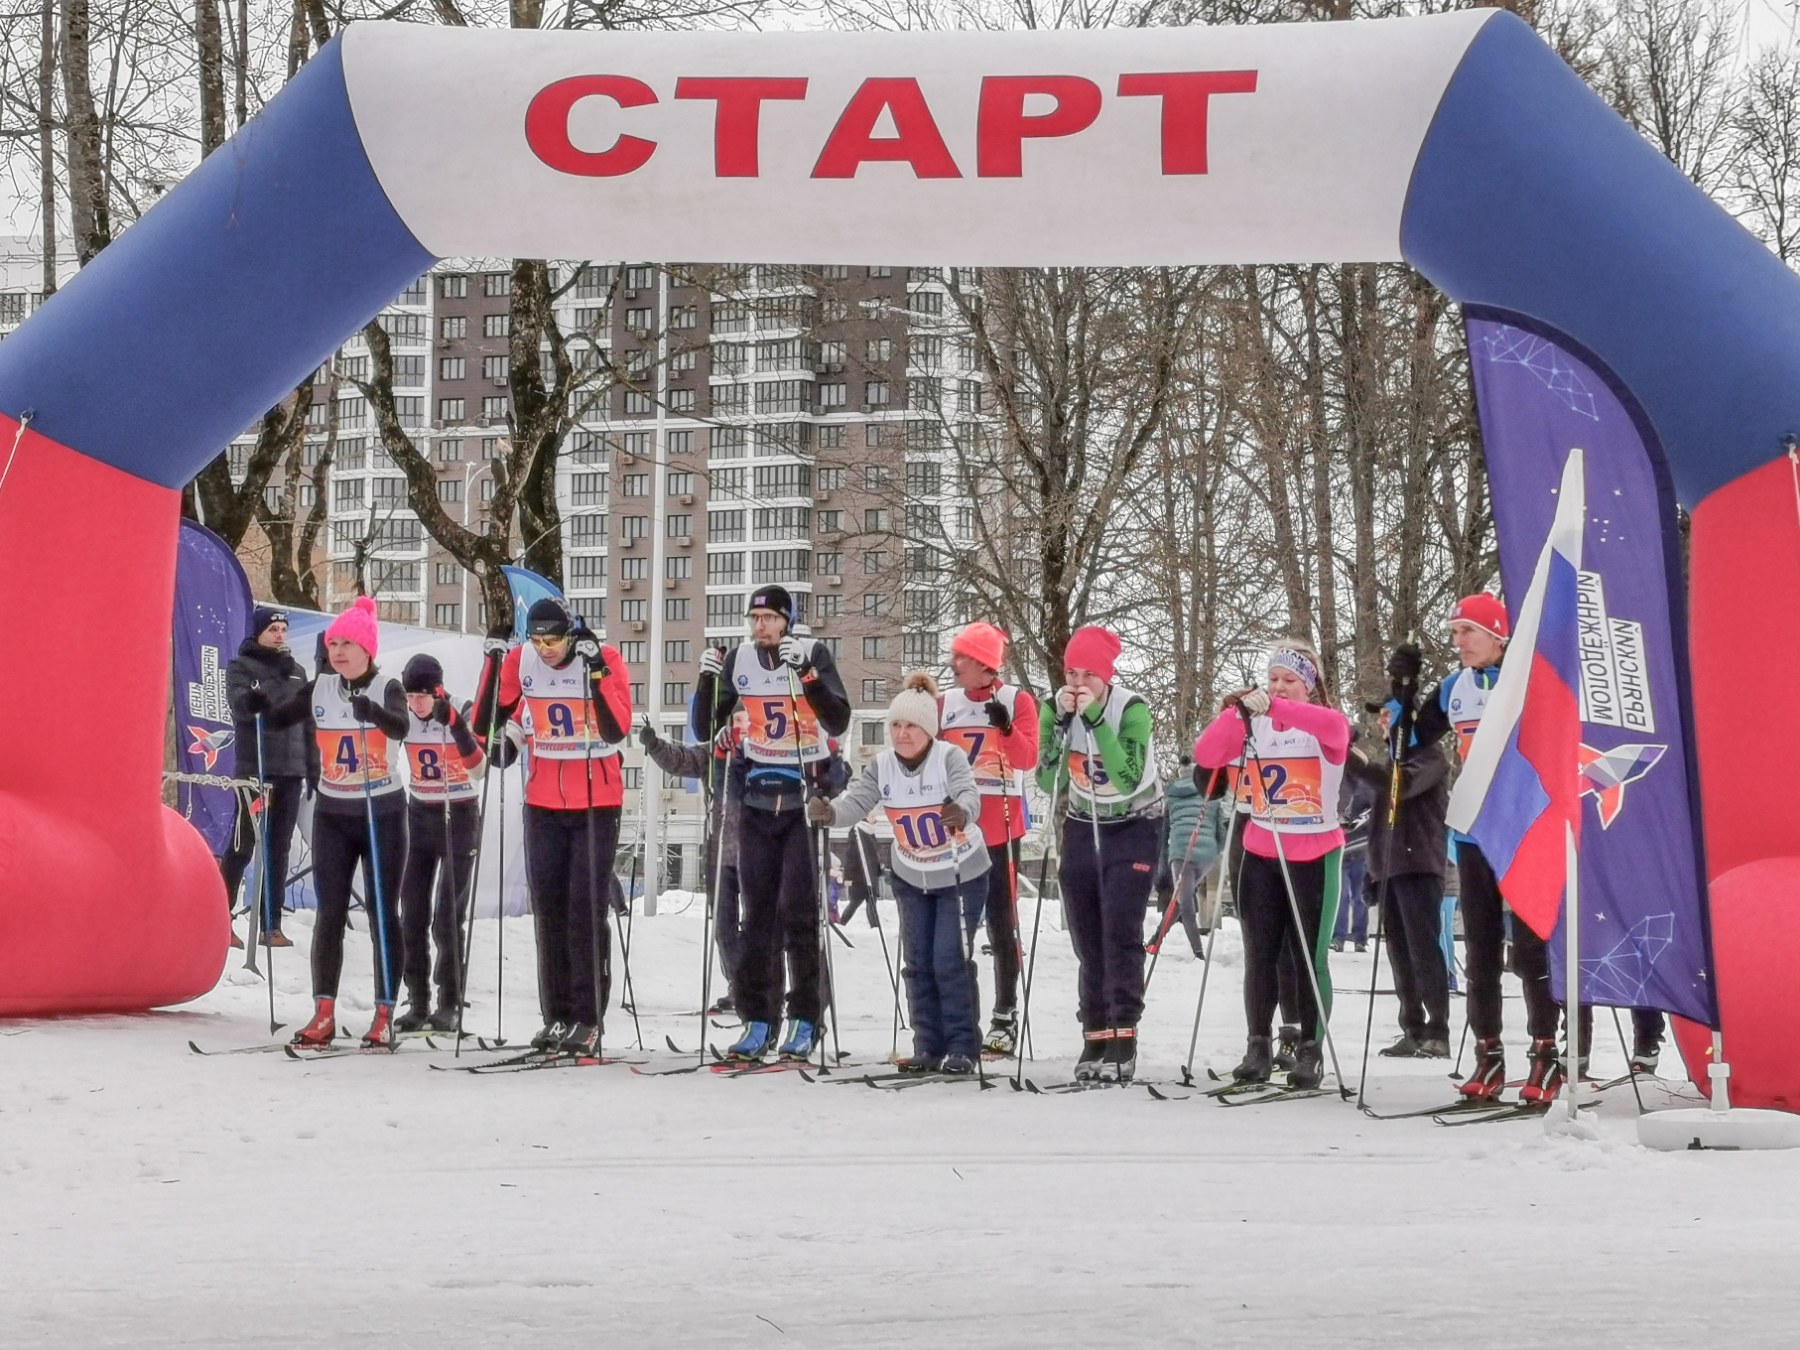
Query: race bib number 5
(783, 730)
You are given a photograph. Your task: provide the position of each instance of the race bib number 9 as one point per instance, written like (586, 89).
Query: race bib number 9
(560, 726)
(784, 731)
(1290, 791)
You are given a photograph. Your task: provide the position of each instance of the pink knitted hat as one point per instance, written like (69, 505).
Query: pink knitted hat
(358, 625)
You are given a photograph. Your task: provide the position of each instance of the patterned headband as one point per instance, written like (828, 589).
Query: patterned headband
(1289, 659)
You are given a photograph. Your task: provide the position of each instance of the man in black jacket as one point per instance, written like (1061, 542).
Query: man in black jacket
(264, 681)
(1411, 858)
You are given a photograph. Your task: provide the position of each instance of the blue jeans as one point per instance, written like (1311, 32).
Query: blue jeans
(940, 979)
(1353, 913)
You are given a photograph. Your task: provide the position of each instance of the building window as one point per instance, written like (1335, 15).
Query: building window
(450, 489)
(875, 394)
(926, 302)
(919, 649)
(634, 652)
(679, 484)
(634, 569)
(585, 571)
(453, 327)
(678, 610)
(447, 615)
(634, 485)
(496, 283)
(830, 480)
(876, 477)
(874, 648)
(830, 564)
(496, 325)
(587, 489)
(779, 396)
(683, 400)
(452, 367)
(827, 606)
(724, 569)
(831, 522)
(784, 565)
(640, 278)
(874, 691)
(453, 286)
(679, 527)
(675, 693)
(487, 489)
(634, 611)
(684, 316)
(724, 611)
(875, 273)
(495, 367)
(835, 395)
(409, 371)
(638, 404)
(877, 350)
(874, 562)
(589, 529)
(725, 527)
(875, 520)
(679, 568)
(494, 407)
(592, 282)
(450, 410)
(633, 528)
(875, 605)
(445, 574)
(347, 492)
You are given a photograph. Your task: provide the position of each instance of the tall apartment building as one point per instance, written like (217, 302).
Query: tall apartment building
(771, 424)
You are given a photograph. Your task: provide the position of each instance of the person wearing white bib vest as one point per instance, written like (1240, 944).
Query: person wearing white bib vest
(996, 725)
(572, 694)
(442, 824)
(1293, 766)
(360, 816)
(1096, 754)
(927, 789)
(795, 697)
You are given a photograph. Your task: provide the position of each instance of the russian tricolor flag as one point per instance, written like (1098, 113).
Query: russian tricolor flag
(1519, 796)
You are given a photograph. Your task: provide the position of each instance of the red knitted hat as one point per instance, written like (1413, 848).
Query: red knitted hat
(358, 625)
(1092, 649)
(1484, 611)
(982, 643)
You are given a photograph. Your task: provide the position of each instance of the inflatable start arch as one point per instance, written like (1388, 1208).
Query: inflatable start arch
(1457, 143)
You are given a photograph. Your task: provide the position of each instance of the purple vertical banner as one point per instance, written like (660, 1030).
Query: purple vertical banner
(1644, 935)
(212, 618)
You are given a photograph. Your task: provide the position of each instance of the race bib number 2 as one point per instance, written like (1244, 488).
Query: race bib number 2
(1288, 790)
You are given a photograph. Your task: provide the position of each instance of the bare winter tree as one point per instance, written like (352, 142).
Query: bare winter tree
(1765, 128)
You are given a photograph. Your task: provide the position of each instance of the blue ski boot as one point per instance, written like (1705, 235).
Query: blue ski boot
(802, 1039)
(754, 1044)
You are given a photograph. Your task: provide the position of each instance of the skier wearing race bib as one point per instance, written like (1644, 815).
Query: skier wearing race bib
(360, 816)
(572, 693)
(996, 725)
(1096, 754)
(927, 788)
(442, 823)
(1479, 630)
(1291, 745)
(791, 689)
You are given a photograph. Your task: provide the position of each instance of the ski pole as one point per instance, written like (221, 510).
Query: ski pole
(830, 1008)
(1398, 735)
(968, 927)
(599, 910)
(1630, 1061)
(1012, 888)
(1309, 952)
(1168, 919)
(1056, 781)
(492, 661)
(375, 883)
(1212, 936)
(868, 870)
(716, 806)
(822, 890)
(637, 856)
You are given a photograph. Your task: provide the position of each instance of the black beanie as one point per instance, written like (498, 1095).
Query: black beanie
(547, 618)
(423, 674)
(775, 598)
(264, 615)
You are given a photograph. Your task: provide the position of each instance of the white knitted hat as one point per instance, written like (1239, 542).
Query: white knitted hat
(916, 702)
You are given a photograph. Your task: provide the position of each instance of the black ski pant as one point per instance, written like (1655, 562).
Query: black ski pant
(280, 815)
(340, 840)
(779, 915)
(1274, 952)
(568, 857)
(726, 937)
(434, 896)
(1412, 918)
(1106, 871)
(1287, 997)
(1484, 940)
(1002, 908)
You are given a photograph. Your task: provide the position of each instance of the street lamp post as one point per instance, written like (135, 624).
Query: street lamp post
(470, 472)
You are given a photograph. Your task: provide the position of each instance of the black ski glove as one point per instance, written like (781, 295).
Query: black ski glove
(647, 736)
(1404, 665)
(254, 701)
(998, 717)
(363, 708)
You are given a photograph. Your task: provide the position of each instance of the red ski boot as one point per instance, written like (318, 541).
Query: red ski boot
(318, 1033)
(1547, 1074)
(380, 1035)
(1488, 1076)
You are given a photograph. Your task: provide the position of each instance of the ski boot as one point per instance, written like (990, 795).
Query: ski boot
(958, 1064)
(1644, 1056)
(1256, 1063)
(754, 1045)
(1284, 1052)
(443, 1021)
(727, 1004)
(416, 1017)
(275, 939)
(802, 1039)
(380, 1035)
(919, 1063)
(318, 1033)
(1432, 1047)
(1003, 1035)
(1309, 1066)
(1094, 1046)
(1120, 1064)
(550, 1037)
(1404, 1048)
(1488, 1076)
(1547, 1076)
(583, 1039)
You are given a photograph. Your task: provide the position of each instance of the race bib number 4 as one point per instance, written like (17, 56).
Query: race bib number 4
(341, 760)
(1290, 791)
(922, 839)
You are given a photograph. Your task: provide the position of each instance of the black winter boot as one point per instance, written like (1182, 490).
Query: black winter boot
(1256, 1064)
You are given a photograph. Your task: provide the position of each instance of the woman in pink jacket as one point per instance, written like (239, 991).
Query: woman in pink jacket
(1290, 744)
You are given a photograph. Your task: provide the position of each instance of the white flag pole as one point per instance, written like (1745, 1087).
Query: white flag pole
(1572, 972)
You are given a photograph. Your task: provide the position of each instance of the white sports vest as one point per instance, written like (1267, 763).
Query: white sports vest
(1100, 796)
(964, 723)
(437, 768)
(1465, 702)
(343, 742)
(1298, 788)
(915, 808)
(559, 709)
(783, 727)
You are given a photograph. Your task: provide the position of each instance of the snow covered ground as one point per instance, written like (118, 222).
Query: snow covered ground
(152, 1197)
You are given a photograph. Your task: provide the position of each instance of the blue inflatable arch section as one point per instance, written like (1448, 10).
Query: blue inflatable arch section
(1458, 143)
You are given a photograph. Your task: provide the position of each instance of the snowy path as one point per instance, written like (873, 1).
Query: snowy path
(150, 1197)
